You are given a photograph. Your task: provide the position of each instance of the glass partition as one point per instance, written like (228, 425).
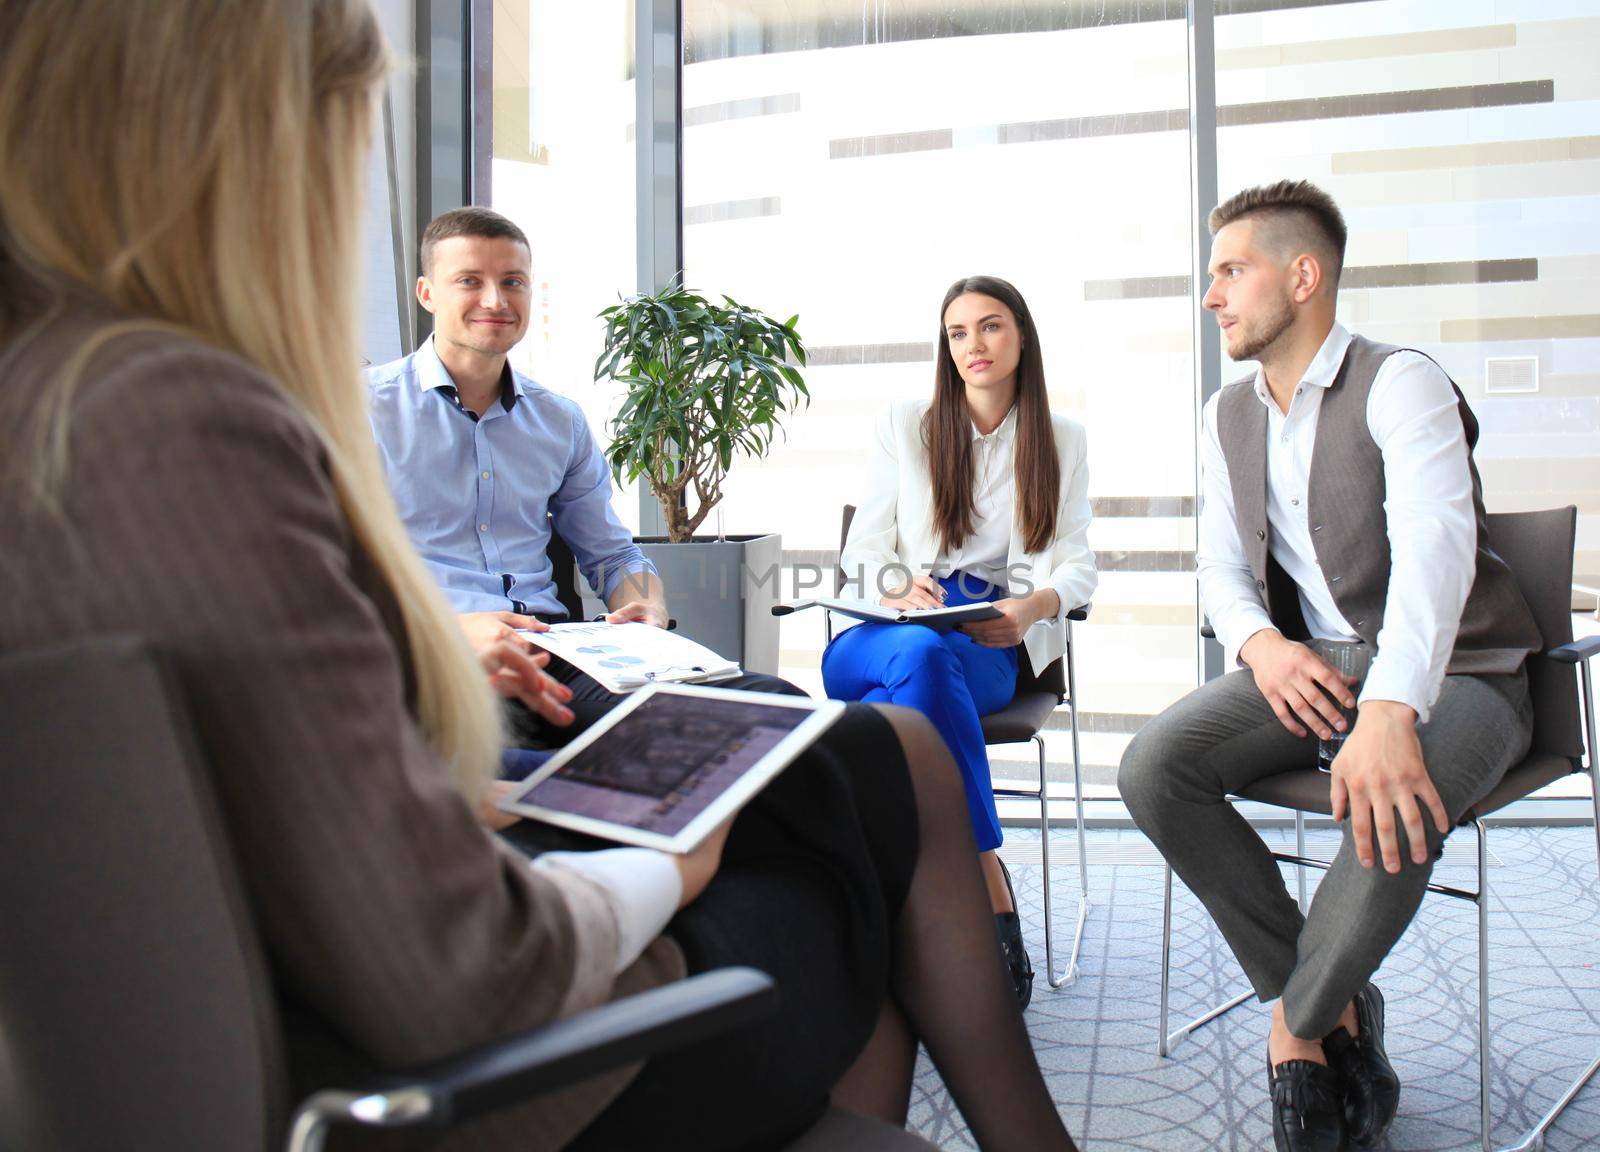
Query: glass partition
(1462, 142)
(848, 162)
(563, 169)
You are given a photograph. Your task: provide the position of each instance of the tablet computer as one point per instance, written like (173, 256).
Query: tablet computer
(669, 764)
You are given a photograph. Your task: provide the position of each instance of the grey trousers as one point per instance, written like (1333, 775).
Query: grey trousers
(1179, 769)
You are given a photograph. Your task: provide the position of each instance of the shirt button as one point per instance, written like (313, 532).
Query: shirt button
(1295, 500)
(1298, 391)
(483, 527)
(485, 475)
(1261, 585)
(1261, 534)
(1284, 438)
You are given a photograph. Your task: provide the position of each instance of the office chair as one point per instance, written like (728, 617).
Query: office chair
(1538, 547)
(137, 1012)
(1020, 722)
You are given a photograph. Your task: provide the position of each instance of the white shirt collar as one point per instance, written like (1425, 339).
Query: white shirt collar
(1006, 429)
(1324, 366)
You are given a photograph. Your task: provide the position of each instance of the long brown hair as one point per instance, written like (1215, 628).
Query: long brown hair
(947, 433)
(200, 165)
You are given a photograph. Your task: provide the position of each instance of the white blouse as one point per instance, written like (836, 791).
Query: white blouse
(983, 554)
(893, 536)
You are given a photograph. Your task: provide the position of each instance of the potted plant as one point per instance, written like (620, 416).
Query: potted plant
(706, 382)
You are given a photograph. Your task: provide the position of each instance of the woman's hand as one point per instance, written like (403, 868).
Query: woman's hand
(493, 792)
(486, 629)
(516, 671)
(1016, 617)
(923, 592)
(697, 868)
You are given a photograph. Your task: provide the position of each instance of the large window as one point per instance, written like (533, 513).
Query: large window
(849, 170)
(1463, 143)
(563, 169)
(847, 161)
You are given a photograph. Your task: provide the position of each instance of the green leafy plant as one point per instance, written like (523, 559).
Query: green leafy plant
(705, 382)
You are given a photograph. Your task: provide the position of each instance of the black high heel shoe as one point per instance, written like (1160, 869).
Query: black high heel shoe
(1008, 927)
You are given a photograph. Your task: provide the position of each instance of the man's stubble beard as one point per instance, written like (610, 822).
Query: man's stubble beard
(1265, 334)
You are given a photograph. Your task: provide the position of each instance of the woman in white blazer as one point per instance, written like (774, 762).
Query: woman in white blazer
(979, 494)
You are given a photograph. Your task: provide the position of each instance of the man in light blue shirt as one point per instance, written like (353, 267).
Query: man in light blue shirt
(481, 460)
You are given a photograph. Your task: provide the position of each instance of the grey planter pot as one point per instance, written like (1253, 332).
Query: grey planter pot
(721, 593)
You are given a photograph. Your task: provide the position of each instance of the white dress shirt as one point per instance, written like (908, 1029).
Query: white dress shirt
(983, 554)
(1430, 521)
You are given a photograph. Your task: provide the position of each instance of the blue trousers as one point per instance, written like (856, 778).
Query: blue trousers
(944, 675)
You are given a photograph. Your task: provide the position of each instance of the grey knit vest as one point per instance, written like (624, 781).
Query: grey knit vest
(1344, 508)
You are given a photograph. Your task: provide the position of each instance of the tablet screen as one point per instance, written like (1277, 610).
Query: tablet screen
(669, 759)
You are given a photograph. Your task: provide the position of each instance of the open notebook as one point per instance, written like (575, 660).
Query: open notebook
(623, 657)
(939, 619)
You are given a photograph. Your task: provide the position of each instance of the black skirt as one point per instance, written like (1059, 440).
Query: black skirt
(815, 872)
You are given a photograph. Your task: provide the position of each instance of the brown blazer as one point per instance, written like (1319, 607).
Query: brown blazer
(199, 513)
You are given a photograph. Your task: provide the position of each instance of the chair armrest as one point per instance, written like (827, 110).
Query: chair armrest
(511, 1071)
(1576, 650)
(1207, 630)
(1081, 612)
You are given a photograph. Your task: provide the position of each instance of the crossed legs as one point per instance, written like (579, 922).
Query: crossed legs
(1175, 778)
(947, 984)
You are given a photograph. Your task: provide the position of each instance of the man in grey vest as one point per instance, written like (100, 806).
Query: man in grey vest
(1341, 508)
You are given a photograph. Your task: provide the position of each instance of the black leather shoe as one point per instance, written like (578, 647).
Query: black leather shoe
(1307, 1109)
(1008, 927)
(1371, 1088)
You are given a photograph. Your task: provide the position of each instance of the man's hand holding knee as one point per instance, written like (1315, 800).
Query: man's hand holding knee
(1301, 686)
(1378, 773)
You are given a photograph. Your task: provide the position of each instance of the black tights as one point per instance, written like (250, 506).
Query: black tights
(838, 851)
(947, 975)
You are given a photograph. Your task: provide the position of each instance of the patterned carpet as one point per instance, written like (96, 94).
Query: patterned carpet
(1096, 1039)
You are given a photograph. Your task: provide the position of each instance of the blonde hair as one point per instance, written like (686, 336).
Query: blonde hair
(200, 165)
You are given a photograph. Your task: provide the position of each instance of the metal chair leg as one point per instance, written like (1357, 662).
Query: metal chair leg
(1594, 759)
(1044, 864)
(1535, 1136)
(1070, 974)
(1167, 1041)
(1166, 963)
(1300, 851)
(1482, 902)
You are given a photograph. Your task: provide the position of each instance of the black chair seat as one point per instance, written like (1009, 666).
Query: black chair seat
(1304, 788)
(1017, 722)
(1527, 777)
(1307, 789)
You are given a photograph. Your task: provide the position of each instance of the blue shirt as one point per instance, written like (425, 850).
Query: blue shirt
(475, 492)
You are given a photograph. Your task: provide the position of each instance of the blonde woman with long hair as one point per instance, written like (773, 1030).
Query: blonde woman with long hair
(188, 458)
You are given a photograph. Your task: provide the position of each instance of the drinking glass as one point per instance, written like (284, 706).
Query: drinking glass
(1348, 658)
